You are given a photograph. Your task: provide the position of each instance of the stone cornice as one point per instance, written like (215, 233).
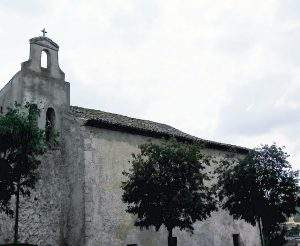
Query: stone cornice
(37, 40)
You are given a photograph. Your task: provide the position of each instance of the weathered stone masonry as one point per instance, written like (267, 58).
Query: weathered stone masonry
(78, 198)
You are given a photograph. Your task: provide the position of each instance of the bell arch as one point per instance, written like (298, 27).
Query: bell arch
(45, 59)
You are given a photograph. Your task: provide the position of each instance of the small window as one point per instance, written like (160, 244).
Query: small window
(45, 59)
(236, 239)
(1, 110)
(50, 123)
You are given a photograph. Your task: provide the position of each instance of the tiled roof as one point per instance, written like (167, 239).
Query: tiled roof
(101, 119)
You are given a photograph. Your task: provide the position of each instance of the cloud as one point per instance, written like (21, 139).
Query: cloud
(260, 106)
(221, 70)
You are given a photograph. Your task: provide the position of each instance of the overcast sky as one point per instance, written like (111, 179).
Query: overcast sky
(222, 70)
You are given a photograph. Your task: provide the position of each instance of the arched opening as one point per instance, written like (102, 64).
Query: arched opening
(50, 124)
(45, 59)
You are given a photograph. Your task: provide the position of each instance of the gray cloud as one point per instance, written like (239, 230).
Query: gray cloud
(222, 70)
(260, 106)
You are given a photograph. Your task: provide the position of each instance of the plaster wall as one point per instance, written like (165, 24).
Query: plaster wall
(73, 157)
(45, 87)
(46, 92)
(28, 86)
(11, 93)
(106, 155)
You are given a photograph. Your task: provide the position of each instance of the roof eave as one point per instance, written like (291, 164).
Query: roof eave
(139, 131)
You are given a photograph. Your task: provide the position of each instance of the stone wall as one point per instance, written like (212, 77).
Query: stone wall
(41, 218)
(78, 199)
(54, 214)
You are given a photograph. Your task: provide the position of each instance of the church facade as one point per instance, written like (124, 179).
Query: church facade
(77, 201)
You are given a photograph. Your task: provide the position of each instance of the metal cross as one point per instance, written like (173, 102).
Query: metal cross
(44, 32)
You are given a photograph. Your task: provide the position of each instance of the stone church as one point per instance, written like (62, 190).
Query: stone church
(78, 198)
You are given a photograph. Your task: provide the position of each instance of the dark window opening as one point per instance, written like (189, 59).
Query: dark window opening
(50, 123)
(45, 59)
(1, 110)
(34, 113)
(236, 239)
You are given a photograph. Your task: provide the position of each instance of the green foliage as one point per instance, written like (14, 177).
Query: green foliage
(167, 185)
(51, 136)
(294, 231)
(262, 186)
(21, 144)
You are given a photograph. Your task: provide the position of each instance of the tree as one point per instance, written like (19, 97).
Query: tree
(21, 143)
(260, 188)
(294, 231)
(167, 185)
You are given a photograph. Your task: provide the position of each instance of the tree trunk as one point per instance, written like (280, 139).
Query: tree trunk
(16, 236)
(170, 237)
(261, 233)
(172, 241)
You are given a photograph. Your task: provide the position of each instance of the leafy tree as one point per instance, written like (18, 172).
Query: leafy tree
(260, 188)
(294, 231)
(167, 185)
(21, 144)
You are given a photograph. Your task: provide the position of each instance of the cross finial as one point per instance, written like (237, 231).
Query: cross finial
(44, 32)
